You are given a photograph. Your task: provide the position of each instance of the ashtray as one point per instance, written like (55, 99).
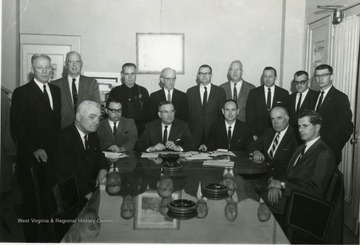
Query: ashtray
(182, 206)
(215, 191)
(182, 209)
(171, 167)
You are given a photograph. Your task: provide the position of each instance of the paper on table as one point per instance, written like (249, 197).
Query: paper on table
(149, 154)
(109, 154)
(200, 156)
(222, 164)
(223, 153)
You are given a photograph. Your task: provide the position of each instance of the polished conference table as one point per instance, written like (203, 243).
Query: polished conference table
(101, 222)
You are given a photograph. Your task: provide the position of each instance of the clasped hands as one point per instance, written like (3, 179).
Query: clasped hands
(168, 145)
(274, 193)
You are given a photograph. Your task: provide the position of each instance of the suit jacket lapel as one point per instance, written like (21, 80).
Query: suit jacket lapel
(79, 141)
(235, 133)
(198, 97)
(262, 92)
(173, 132)
(328, 97)
(40, 93)
(228, 90)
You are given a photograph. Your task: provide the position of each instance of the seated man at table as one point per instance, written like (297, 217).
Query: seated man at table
(310, 167)
(117, 133)
(166, 133)
(78, 150)
(275, 146)
(231, 134)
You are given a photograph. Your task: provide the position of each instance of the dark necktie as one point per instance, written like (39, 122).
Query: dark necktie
(300, 155)
(299, 103)
(229, 135)
(205, 97)
(169, 96)
(46, 94)
(273, 147)
(320, 101)
(74, 94)
(165, 134)
(86, 142)
(114, 128)
(235, 93)
(268, 101)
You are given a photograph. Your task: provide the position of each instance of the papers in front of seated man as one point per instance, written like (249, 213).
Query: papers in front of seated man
(189, 154)
(114, 155)
(222, 152)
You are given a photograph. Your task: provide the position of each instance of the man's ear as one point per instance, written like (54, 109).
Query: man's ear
(77, 116)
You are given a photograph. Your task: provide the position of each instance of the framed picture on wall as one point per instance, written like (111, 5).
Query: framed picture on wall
(155, 51)
(151, 211)
(106, 81)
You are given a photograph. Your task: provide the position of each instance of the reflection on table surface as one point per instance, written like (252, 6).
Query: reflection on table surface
(142, 209)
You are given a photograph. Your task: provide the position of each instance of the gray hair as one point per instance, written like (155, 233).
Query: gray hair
(85, 105)
(70, 53)
(35, 56)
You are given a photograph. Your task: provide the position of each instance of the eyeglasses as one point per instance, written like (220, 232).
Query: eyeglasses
(115, 110)
(169, 79)
(74, 62)
(322, 75)
(204, 73)
(300, 82)
(168, 112)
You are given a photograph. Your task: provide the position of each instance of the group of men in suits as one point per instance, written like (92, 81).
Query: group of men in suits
(206, 117)
(39, 111)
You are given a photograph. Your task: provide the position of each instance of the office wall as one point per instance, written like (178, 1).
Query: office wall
(10, 44)
(216, 32)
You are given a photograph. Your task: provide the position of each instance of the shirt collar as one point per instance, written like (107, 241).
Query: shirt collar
(311, 142)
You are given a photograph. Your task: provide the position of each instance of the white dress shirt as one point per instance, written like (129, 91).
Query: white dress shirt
(41, 86)
(272, 89)
(208, 87)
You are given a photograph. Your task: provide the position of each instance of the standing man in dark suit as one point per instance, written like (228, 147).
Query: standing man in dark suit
(134, 98)
(78, 151)
(310, 168)
(261, 100)
(334, 107)
(276, 145)
(169, 93)
(117, 133)
(303, 98)
(205, 104)
(75, 88)
(35, 122)
(231, 134)
(166, 132)
(237, 88)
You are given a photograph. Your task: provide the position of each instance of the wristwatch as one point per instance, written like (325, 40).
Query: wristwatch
(282, 185)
